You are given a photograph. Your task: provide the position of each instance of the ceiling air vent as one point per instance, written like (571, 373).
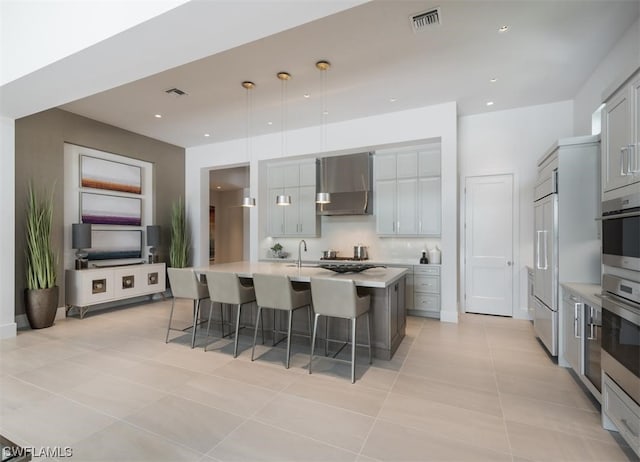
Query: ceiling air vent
(175, 92)
(425, 19)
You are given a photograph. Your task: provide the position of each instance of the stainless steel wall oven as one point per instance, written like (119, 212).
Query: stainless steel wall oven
(621, 333)
(621, 232)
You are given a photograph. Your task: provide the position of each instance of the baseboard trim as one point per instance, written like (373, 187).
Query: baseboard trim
(23, 323)
(8, 330)
(449, 316)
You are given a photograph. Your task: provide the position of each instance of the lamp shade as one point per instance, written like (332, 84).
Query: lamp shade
(81, 236)
(248, 202)
(153, 235)
(323, 198)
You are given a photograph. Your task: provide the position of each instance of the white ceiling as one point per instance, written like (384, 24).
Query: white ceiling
(547, 54)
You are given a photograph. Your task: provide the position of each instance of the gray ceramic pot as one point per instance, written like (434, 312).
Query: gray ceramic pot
(41, 306)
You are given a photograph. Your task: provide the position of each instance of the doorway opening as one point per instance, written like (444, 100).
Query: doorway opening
(228, 221)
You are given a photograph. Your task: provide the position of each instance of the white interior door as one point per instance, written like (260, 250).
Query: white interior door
(489, 244)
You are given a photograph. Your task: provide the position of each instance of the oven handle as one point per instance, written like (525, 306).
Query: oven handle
(619, 215)
(628, 311)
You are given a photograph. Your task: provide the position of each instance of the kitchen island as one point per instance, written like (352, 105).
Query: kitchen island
(386, 286)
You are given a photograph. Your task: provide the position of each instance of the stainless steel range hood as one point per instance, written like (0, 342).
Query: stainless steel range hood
(349, 181)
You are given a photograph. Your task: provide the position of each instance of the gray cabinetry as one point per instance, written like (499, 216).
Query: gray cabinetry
(572, 309)
(426, 291)
(621, 413)
(408, 191)
(621, 137)
(298, 180)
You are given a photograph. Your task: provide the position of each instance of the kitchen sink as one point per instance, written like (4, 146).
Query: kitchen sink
(304, 265)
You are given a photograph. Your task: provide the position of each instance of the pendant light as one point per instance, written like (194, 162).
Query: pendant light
(248, 201)
(282, 199)
(323, 197)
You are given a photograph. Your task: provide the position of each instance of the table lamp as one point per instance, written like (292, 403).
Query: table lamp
(81, 240)
(153, 239)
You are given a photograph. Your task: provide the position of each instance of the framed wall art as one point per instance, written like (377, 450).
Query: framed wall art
(106, 174)
(104, 209)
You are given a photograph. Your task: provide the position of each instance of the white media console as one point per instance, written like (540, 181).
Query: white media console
(87, 287)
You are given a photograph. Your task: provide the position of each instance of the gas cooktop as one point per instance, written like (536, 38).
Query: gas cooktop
(344, 259)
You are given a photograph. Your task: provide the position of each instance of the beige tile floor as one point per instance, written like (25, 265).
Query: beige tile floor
(109, 388)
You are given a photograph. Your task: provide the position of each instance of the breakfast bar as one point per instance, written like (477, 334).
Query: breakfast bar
(386, 286)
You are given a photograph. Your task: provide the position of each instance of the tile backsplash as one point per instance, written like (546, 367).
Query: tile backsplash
(341, 233)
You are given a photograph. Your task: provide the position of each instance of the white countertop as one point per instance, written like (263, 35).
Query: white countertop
(388, 261)
(374, 277)
(590, 292)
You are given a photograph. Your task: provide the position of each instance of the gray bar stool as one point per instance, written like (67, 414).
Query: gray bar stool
(276, 292)
(338, 298)
(227, 288)
(185, 284)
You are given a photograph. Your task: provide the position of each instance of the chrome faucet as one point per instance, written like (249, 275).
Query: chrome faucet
(302, 241)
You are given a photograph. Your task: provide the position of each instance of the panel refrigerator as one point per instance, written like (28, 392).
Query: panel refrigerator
(565, 241)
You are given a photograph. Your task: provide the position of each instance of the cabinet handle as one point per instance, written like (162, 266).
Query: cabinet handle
(576, 307)
(623, 151)
(633, 154)
(546, 250)
(624, 422)
(538, 250)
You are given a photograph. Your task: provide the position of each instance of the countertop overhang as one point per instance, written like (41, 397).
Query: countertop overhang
(373, 277)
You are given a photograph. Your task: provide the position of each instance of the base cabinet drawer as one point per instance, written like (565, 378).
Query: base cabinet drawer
(426, 291)
(427, 302)
(427, 284)
(622, 411)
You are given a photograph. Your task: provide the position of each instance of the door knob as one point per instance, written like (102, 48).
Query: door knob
(509, 263)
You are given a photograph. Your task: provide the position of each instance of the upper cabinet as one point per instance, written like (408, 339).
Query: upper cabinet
(298, 180)
(621, 137)
(408, 192)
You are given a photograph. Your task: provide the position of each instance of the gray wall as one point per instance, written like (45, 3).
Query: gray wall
(40, 142)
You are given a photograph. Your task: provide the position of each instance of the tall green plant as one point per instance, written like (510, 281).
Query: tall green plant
(41, 261)
(179, 248)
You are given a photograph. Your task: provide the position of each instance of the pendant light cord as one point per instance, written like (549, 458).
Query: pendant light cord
(283, 115)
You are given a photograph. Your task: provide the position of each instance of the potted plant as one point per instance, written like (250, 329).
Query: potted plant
(277, 251)
(179, 247)
(41, 294)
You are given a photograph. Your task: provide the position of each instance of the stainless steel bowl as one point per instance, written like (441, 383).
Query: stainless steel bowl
(329, 254)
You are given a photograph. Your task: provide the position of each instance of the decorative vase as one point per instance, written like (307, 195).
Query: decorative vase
(41, 306)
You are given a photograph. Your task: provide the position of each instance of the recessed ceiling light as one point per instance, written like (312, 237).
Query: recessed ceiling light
(493, 80)
(218, 187)
(489, 103)
(307, 95)
(269, 123)
(503, 28)
(392, 100)
(207, 135)
(158, 116)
